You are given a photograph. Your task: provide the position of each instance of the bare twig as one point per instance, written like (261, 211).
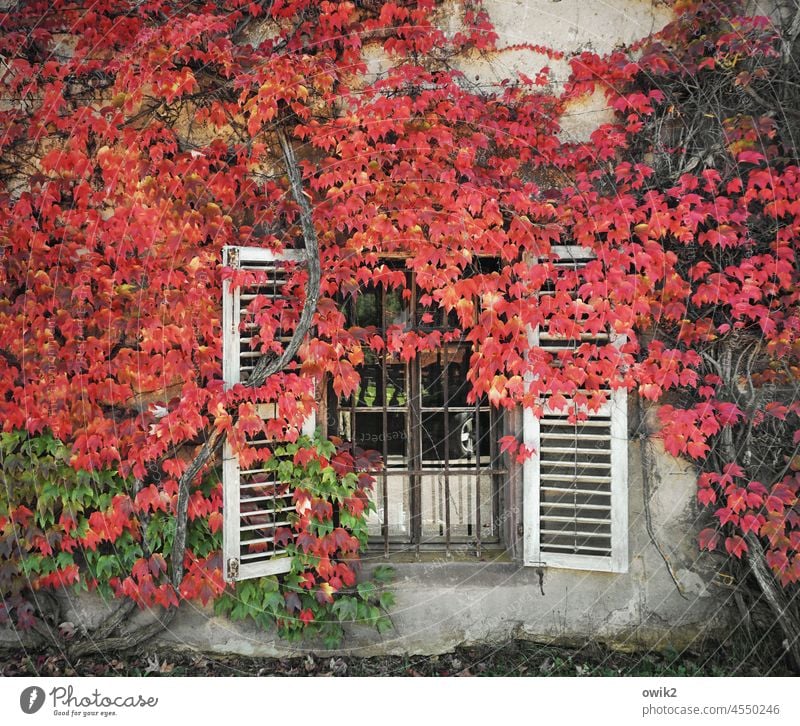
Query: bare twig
(758, 98)
(781, 605)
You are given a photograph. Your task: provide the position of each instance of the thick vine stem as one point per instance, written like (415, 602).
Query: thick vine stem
(124, 641)
(114, 620)
(106, 639)
(790, 36)
(781, 605)
(182, 505)
(265, 366)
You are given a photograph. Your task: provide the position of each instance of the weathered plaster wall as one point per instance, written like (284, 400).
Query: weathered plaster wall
(567, 26)
(441, 604)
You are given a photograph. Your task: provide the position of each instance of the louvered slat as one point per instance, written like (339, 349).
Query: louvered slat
(569, 517)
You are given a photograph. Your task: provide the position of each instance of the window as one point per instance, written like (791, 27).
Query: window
(575, 488)
(441, 486)
(444, 483)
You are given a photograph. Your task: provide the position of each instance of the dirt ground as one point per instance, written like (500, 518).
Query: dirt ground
(515, 658)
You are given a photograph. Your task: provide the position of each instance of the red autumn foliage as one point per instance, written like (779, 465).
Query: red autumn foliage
(146, 143)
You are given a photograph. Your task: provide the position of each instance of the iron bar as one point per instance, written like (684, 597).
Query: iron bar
(384, 432)
(446, 394)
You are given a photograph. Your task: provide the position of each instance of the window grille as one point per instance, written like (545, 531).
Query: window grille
(441, 486)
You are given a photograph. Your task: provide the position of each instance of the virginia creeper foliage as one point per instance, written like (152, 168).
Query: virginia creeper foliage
(139, 139)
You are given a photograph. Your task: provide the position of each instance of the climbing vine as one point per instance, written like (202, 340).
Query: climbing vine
(139, 138)
(87, 532)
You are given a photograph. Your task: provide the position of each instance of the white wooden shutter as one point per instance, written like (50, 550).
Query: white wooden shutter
(256, 504)
(575, 488)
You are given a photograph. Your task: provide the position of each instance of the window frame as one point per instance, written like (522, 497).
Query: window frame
(504, 505)
(415, 469)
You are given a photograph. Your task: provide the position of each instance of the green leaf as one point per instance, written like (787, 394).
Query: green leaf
(223, 605)
(64, 559)
(366, 590)
(270, 584)
(345, 608)
(383, 574)
(247, 593)
(383, 625)
(239, 611)
(273, 602)
(332, 635)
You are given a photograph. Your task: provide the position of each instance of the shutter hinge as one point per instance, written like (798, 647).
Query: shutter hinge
(723, 579)
(233, 569)
(520, 530)
(233, 261)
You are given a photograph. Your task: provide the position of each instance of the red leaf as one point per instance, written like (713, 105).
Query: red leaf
(736, 546)
(774, 504)
(708, 539)
(215, 521)
(697, 449)
(509, 444)
(750, 523)
(777, 560)
(706, 496)
(750, 157)
(283, 536)
(725, 515)
(158, 564)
